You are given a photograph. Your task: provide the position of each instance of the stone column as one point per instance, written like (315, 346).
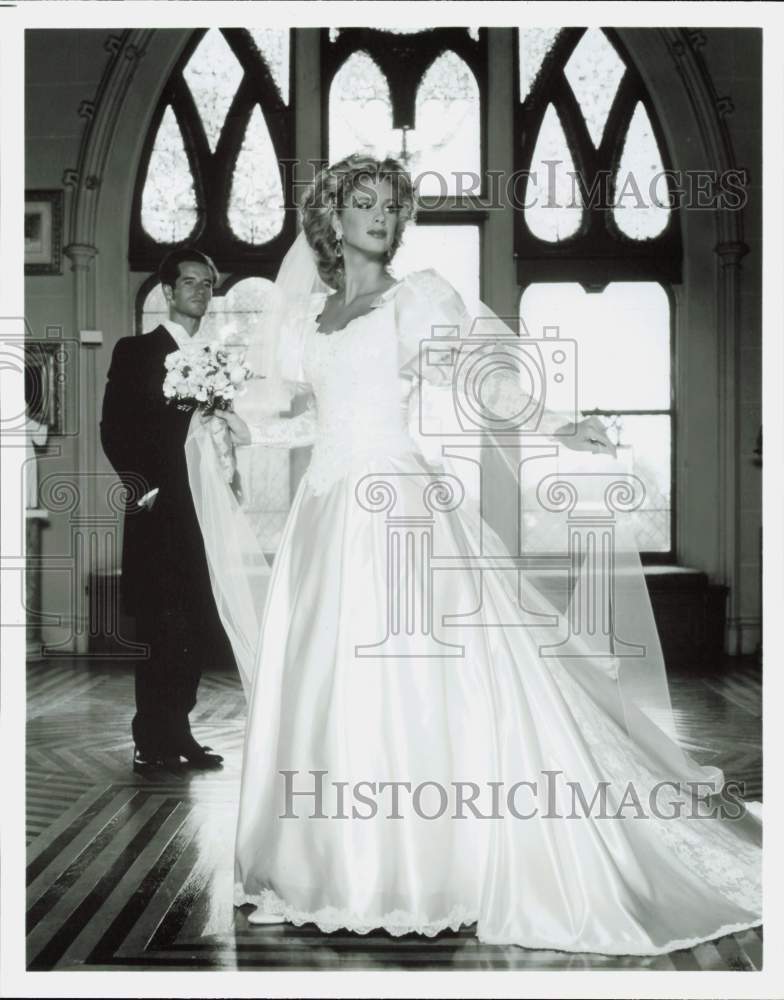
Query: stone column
(730, 254)
(82, 257)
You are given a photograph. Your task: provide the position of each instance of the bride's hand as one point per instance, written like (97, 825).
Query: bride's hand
(590, 436)
(240, 433)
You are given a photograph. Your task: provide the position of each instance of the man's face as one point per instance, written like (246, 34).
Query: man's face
(192, 293)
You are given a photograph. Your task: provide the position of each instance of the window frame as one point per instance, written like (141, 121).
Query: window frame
(599, 253)
(212, 172)
(404, 60)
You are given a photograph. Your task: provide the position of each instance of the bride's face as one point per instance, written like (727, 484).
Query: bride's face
(369, 219)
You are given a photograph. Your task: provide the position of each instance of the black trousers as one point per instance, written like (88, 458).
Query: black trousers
(167, 681)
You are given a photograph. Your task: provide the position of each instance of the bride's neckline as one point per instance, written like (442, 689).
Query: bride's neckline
(377, 301)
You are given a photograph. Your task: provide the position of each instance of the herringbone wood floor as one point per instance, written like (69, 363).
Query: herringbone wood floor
(129, 872)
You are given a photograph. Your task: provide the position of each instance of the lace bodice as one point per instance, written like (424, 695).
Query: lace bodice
(363, 380)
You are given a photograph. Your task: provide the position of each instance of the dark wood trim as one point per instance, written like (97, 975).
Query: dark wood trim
(212, 172)
(598, 252)
(404, 60)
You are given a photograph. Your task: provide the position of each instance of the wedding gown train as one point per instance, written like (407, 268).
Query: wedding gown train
(346, 701)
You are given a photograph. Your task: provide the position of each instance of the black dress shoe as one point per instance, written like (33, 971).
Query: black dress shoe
(144, 763)
(201, 757)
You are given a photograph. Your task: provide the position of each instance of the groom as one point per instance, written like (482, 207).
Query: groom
(165, 580)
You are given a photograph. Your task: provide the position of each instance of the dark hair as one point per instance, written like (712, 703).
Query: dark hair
(169, 267)
(329, 193)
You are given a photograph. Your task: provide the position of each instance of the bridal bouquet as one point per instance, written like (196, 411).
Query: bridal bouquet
(210, 375)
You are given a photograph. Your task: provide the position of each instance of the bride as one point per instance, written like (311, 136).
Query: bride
(416, 758)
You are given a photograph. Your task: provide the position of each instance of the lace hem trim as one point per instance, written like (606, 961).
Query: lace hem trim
(399, 922)
(330, 918)
(680, 944)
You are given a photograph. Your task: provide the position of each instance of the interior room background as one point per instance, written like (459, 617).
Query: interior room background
(155, 136)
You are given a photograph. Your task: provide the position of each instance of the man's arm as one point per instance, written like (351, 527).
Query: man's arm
(123, 434)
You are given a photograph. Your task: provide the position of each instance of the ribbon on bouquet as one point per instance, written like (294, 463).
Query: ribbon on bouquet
(224, 447)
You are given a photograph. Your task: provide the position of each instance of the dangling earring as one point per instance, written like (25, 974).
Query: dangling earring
(339, 246)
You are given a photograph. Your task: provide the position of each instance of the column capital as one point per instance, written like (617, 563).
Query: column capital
(731, 251)
(587, 496)
(81, 255)
(378, 493)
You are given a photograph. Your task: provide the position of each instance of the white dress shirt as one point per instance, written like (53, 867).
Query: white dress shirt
(181, 336)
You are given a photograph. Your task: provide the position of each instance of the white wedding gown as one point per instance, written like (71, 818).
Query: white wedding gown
(342, 687)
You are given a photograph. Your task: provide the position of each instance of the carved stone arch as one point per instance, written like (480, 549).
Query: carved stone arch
(102, 115)
(100, 187)
(655, 54)
(117, 117)
(695, 115)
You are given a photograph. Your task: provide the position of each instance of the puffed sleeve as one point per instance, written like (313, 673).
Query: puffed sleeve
(431, 319)
(440, 339)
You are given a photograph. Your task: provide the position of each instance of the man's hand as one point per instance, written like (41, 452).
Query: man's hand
(238, 429)
(589, 435)
(148, 499)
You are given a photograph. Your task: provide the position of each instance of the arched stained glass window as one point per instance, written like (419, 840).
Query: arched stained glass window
(419, 96)
(553, 202)
(597, 247)
(639, 210)
(213, 75)
(360, 110)
(169, 208)
(256, 210)
(214, 169)
(446, 138)
(593, 159)
(594, 71)
(273, 46)
(534, 44)
(214, 174)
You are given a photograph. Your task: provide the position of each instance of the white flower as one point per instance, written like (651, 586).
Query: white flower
(208, 373)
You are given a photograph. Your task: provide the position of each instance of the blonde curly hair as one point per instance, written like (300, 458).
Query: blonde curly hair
(329, 194)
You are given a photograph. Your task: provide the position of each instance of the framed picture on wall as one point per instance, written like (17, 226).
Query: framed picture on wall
(43, 232)
(46, 366)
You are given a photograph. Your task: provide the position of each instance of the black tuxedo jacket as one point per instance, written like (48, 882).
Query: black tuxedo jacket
(164, 565)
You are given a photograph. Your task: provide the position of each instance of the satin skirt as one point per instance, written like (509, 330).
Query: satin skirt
(413, 763)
